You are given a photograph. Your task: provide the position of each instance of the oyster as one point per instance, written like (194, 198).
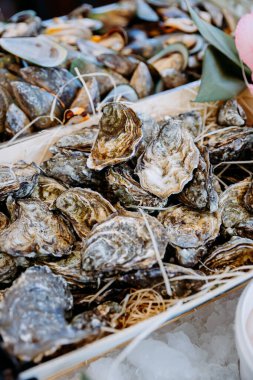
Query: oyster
(248, 198)
(150, 129)
(18, 179)
(142, 80)
(8, 269)
(32, 315)
(189, 231)
(118, 137)
(236, 252)
(36, 232)
(47, 190)
(192, 121)
(71, 168)
(4, 221)
(84, 208)
(231, 113)
(168, 162)
(82, 100)
(234, 214)
(81, 141)
(52, 80)
(230, 144)
(120, 244)
(152, 277)
(123, 188)
(5, 102)
(200, 193)
(35, 102)
(16, 120)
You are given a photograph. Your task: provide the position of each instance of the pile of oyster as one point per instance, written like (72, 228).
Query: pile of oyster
(94, 222)
(141, 47)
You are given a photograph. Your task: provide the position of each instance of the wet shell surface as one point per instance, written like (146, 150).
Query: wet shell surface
(118, 137)
(168, 162)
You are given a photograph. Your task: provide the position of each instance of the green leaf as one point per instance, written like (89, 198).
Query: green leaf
(221, 78)
(216, 37)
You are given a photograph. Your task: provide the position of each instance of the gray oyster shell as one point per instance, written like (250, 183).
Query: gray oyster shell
(36, 232)
(118, 137)
(234, 214)
(18, 179)
(123, 188)
(32, 315)
(71, 168)
(81, 141)
(122, 243)
(231, 113)
(8, 268)
(168, 162)
(200, 193)
(16, 120)
(84, 208)
(248, 198)
(232, 254)
(189, 231)
(47, 190)
(192, 121)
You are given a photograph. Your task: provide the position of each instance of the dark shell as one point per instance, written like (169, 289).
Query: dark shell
(120, 244)
(84, 208)
(248, 198)
(71, 168)
(200, 193)
(121, 64)
(5, 102)
(52, 79)
(16, 120)
(32, 315)
(8, 269)
(36, 232)
(118, 137)
(142, 80)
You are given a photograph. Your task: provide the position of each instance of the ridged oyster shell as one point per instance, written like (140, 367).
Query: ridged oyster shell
(32, 315)
(84, 208)
(189, 231)
(36, 232)
(8, 268)
(47, 190)
(231, 113)
(168, 162)
(236, 252)
(122, 243)
(118, 137)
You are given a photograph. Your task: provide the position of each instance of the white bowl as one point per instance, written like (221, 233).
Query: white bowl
(243, 344)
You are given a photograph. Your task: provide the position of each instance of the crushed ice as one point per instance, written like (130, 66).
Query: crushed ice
(200, 347)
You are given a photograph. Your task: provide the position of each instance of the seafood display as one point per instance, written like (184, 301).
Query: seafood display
(62, 70)
(122, 206)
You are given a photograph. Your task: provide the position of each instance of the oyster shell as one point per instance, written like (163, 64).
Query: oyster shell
(123, 188)
(81, 141)
(142, 80)
(152, 277)
(120, 244)
(192, 121)
(118, 137)
(231, 113)
(35, 102)
(248, 198)
(18, 179)
(52, 79)
(36, 232)
(189, 231)
(4, 221)
(84, 208)
(71, 168)
(150, 129)
(200, 193)
(16, 120)
(5, 102)
(168, 162)
(230, 144)
(32, 315)
(47, 190)
(232, 254)
(8, 268)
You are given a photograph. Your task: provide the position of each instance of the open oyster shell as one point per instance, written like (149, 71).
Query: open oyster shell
(127, 191)
(32, 315)
(168, 162)
(236, 252)
(84, 208)
(36, 232)
(118, 137)
(122, 243)
(234, 214)
(200, 193)
(189, 231)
